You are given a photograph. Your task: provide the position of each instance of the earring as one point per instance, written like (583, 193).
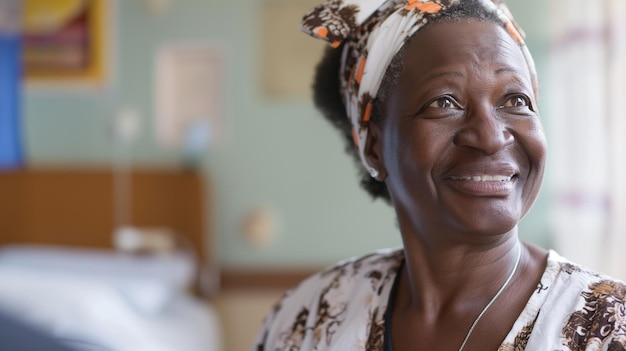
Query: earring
(373, 172)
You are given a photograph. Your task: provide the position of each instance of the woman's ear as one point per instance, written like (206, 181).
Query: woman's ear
(374, 151)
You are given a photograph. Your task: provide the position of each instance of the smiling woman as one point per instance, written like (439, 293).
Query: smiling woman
(438, 102)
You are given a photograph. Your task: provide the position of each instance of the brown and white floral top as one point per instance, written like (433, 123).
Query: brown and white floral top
(343, 309)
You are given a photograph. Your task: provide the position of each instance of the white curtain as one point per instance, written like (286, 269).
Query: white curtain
(586, 126)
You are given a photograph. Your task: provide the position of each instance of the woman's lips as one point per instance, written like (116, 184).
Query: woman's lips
(484, 184)
(484, 178)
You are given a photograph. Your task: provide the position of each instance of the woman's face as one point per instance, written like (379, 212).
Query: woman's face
(461, 142)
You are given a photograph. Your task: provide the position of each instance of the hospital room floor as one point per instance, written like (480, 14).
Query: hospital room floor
(242, 313)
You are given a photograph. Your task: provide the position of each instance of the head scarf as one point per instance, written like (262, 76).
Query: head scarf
(373, 31)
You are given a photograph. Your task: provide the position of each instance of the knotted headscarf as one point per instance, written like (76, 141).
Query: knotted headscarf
(373, 31)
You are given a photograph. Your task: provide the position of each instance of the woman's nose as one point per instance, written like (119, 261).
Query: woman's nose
(483, 131)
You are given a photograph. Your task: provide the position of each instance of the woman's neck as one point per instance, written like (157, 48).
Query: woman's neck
(442, 277)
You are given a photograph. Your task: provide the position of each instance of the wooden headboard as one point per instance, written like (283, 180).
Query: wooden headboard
(75, 207)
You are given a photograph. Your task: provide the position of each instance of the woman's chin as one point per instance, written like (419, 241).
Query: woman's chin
(486, 225)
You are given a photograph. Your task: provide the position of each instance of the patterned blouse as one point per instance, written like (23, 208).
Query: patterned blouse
(343, 309)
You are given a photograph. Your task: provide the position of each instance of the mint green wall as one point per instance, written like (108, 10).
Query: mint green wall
(278, 155)
(532, 16)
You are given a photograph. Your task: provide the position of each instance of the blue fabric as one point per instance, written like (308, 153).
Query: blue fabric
(11, 155)
(15, 335)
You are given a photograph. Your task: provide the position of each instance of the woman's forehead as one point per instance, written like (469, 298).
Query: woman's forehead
(463, 44)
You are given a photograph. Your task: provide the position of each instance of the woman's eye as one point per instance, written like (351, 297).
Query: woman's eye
(516, 101)
(444, 102)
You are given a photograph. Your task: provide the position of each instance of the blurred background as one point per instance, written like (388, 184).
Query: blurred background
(164, 176)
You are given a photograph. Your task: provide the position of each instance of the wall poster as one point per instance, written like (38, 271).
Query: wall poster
(65, 41)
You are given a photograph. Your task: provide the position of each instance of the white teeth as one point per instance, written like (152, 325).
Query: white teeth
(486, 178)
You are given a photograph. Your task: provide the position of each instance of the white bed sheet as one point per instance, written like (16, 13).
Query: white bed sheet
(107, 299)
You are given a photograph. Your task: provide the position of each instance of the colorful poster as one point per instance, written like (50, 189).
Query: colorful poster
(64, 40)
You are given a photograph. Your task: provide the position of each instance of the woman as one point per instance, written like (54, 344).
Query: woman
(440, 100)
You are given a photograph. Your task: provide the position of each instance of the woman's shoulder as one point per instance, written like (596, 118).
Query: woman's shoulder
(592, 305)
(348, 294)
(352, 273)
(347, 276)
(380, 260)
(579, 276)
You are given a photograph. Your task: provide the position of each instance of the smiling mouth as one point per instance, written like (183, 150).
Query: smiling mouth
(485, 178)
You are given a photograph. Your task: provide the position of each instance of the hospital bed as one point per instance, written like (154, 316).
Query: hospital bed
(62, 270)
